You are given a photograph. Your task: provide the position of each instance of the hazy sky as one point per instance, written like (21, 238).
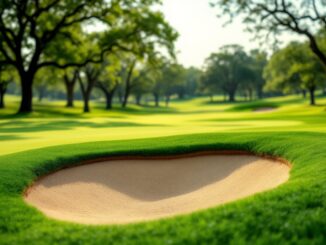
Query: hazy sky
(201, 32)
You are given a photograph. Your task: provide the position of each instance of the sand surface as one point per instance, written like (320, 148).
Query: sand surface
(124, 191)
(264, 109)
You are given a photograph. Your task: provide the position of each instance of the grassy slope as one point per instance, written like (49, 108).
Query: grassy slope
(295, 212)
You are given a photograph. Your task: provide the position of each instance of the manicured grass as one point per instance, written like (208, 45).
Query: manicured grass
(51, 138)
(292, 213)
(52, 124)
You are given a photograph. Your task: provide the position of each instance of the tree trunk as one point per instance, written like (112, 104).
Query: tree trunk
(304, 93)
(231, 96)
(26, 104)
(86, 92)
(109, 94)
(70, 94)
(126, 97)
(109, 99)
(128, 84)
(70, 87)
(2, 95)
(157, 100)
(86, 103)
(312, 95)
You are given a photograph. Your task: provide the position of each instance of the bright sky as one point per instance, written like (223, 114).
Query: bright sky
(201, 32)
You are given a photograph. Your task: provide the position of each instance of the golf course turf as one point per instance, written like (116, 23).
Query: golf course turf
(294, 212)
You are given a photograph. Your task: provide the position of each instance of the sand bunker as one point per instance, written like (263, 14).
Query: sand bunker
(264, 109)
(123, 191)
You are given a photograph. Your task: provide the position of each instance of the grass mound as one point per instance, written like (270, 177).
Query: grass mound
(254, 106)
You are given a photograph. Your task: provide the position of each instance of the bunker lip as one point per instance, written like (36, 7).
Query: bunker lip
(243, 162)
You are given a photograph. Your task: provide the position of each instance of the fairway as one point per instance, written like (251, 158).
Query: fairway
(51, 124)
(58, 138)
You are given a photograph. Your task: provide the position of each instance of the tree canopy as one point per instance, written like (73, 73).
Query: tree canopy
(31, 30)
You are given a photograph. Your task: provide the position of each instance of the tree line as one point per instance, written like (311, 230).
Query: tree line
(126, 49)
(55, 34)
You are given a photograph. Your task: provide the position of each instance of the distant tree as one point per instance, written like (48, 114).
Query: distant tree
(109, 79)
(208, 85)
(129, 75)
(171, 79)
(144, 84)
(258, 63)
(180, 86)
(294, 68)
(303, 17)
(70, 76)
(192, 78)
(73, 50)
(45, 78)
(87, 78)
(227, 69)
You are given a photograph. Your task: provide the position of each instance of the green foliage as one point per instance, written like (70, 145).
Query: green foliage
(268, 19)
(172, 79)
(294, 68)
(37, 34)
(231, 69)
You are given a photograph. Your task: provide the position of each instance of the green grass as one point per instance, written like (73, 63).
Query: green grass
(52, 124)
(54, 137)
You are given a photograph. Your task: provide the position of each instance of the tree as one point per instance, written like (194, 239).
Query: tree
(303, 17)
(171, 78)
(208, 84)
(29, 28)
(129, 75)
(227, 69)
(192, 77)
(44, 79)
(109, 79)
(73, 50)
(294, 68)
(70, 78)
(87, 78)
(143, 86)
(258, 63)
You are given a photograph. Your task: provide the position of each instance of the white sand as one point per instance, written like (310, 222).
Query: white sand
(123, 191)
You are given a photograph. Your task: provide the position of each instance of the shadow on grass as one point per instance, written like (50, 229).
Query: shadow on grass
(25, 127)
(10, 137)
